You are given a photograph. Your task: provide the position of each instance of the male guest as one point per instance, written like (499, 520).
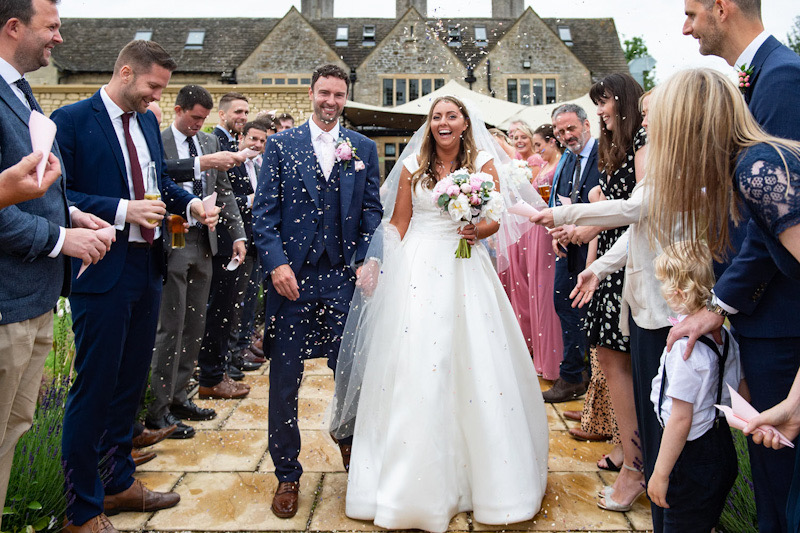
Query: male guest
(314, 218)
(185, 295)
(108, 143)
(284, 121)
(35, 234)
(760, 300)
(578, 176)
(217, 375)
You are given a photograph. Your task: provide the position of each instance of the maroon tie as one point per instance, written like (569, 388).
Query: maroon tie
(136, 173)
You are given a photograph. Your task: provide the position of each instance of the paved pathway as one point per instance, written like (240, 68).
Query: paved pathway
(225, 475)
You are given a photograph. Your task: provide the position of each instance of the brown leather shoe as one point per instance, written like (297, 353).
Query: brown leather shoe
(563, 391)
(251, 356)
(140, 457)
(257, 347)
(580, 434)
(572, 415)
(284, 503)
(139, 498)
(227, 389)
(98, 524)
(148, 437)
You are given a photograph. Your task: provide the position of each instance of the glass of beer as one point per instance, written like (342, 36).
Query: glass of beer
(544, 192)
(151, 191)
(177, 230)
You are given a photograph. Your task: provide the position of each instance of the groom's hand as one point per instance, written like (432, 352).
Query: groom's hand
(285, 283)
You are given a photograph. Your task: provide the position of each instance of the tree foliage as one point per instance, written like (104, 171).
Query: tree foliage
(794, 36)
(634, 48)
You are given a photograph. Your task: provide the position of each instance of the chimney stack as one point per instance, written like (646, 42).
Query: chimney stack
(507, 9)
(316, 9)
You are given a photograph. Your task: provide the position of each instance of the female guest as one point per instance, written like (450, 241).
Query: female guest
(441, 427)
(528, 280)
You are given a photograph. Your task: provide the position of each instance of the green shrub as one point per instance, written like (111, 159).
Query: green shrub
(739, 513)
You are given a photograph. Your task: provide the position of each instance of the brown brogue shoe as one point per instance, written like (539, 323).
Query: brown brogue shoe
(284, 503)
(148, 437)
(98, 524)
(257, 347)
(227, 389)
(572, 415)
(140, 457)
(579, 434)
(139, 498)
(249, 355)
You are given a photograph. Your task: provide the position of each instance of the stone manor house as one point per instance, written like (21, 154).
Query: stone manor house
(513, 55)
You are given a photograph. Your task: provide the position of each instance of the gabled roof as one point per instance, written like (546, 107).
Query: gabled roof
(92, 45)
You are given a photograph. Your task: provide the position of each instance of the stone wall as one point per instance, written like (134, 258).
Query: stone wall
(292, 100)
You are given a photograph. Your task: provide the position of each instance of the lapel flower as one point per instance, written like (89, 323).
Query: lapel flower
(345, 151)
(744, 72)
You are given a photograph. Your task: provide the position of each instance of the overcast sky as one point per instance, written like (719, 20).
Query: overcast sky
(659, 22)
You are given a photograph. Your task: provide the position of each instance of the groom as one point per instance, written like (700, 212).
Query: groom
(315, 210)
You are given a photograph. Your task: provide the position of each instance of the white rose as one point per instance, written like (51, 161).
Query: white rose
(459, 208)
(494, 207)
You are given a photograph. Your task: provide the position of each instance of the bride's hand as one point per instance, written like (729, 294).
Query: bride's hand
(469, 233)
(367, 277)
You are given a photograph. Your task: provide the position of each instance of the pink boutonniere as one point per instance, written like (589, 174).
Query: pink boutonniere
(744, 72)
(345, 151)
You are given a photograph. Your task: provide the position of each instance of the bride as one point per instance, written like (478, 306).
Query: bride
(450, 417)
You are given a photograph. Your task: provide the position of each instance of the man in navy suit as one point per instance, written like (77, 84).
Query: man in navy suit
(36, 228)
(761, 301)
(108, 142)
(578, 176)
(313, 219)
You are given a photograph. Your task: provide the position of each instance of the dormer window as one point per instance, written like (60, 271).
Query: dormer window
(143, 35)
(195, 39)
(342, 35)
(480, 36)
(454, 36)
(369, 35)
(565, 35)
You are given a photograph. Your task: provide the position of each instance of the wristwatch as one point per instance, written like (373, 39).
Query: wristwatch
(712, 304)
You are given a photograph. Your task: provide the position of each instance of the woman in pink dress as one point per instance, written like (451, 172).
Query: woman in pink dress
(529, 278)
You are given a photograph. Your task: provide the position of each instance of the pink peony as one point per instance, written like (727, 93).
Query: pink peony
(453, 190)
(474, 200)
(344, 152)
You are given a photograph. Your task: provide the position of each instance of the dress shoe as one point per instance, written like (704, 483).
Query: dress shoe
(98, 524)
(572, 415)
(140, 457)
(257, 347)
(245, 366)
(249, 355)
(182, 431)
(234, 373)
(284, 503)
(139, 498)
(563, 391)
(148, 437)
(189, 410)
(579, 434)
(224, 390)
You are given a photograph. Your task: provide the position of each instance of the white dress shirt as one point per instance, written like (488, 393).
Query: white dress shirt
(749, 53)
(317, 142)
(183, 153)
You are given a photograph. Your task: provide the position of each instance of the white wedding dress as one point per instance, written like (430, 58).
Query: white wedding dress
(450, 416)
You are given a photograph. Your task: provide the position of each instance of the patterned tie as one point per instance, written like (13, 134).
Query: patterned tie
(25, 87)
(197, 184)
(576, 180)
(136, 172)
(327, 155)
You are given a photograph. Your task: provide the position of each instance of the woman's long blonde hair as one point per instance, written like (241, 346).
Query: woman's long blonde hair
(698, 124)
(467, 153)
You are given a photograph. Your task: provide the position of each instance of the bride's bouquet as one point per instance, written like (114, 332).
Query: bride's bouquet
(468, 197)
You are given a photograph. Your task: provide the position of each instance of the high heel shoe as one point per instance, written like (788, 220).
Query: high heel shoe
(608, 502)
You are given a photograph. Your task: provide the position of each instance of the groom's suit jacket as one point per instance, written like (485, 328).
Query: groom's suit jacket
(32, 281)
(216, 180)
(286, 210)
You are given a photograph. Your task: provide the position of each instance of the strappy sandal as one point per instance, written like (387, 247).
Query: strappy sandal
(608, 502)
(610, 465)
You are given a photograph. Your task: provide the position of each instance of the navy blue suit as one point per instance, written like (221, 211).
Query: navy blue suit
(295, 223)
(115, 307)
(572, 319)
(767, 300)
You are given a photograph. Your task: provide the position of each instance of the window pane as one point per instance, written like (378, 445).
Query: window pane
(480, 33)
(390, 150)
(342, 33)
(399, 92)
(438, 83)
(413, 89)
(525, 92)
(195, 38)
(550, 90)
(402, 147)
(426, 87)
(511, 89)
(537, 92)
(280, 81)
(143, 35)
(388, 165)
(564, 33)
(292, 81)
(388, 92)
(266, 81)
(305, 81)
